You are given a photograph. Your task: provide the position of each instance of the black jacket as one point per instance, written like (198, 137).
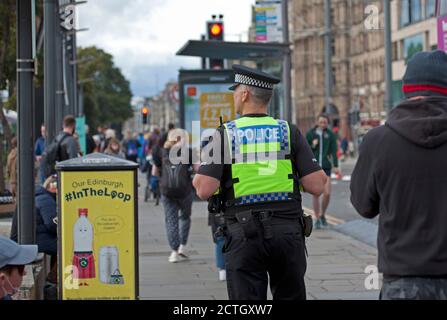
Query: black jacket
(401, 173)
(46, 229)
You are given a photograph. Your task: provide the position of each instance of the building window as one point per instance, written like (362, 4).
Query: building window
(410, 12)
(412, 45)
(430, 8)
(443, 8)
(404, 13)
(415, 11)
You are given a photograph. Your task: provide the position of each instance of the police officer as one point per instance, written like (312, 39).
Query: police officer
(262, 163)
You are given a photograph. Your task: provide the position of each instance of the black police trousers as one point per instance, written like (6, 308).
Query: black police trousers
(250, 262)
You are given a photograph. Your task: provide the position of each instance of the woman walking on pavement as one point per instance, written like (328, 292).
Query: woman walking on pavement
(176, 190)
(114, 149)
(323, 143)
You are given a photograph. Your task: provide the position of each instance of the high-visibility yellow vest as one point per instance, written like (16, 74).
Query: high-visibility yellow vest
(261, 168)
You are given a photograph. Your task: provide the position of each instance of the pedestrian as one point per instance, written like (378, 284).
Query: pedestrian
(154, 140)
(62, 148)
(164, 136)
(97, 141)
(40, 144)
(11, 166)
(46, 230)
(141, 149)
(90, 144)
(101, 136)
(69, 147)
(109, 134)
(39, 149)
(401, 177)
(176, 190)
(13, 258)
(323, 143)
(344, 145)
(114, 149)
(130, 147)
(217, 223)
(260, 199)
(78, 144)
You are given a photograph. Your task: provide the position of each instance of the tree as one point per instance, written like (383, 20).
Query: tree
(7, 69)
(107, 97)
(8, 73)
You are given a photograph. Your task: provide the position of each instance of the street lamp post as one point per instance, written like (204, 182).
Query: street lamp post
(327, 55)
(287, 65)
(50, 21)
(388, 62)
(25, 108)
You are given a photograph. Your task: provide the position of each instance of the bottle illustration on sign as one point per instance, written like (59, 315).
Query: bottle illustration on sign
(109, 272)
(83, 256)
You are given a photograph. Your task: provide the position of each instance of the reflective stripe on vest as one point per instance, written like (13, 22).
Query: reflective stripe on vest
(260, 152)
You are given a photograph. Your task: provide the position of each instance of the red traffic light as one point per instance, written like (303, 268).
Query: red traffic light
(145, 110)
(216, 29)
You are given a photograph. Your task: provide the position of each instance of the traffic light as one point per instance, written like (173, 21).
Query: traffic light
(144, 114)
(215, 32)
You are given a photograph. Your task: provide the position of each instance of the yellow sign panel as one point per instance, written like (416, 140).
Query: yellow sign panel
(98, 235)
(215, 105)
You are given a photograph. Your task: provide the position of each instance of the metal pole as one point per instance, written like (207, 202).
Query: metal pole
(25, 107)
(388, 62)
(327, 55)
(203, 58)
(81, 100)
(60, 92)
(69, 73)
(50, 20)
(287, 65)
(74, 57)
(66, 77)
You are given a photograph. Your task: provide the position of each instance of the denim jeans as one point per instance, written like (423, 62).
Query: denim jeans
(220, 259)
(178, 219)
(413, 288)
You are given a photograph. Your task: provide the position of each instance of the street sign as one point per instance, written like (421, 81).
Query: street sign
(98, 228)
(269, 21)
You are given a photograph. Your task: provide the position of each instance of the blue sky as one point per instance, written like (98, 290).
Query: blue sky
(143, 35)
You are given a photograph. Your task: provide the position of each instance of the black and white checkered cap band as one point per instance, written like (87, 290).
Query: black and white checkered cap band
(243, 79)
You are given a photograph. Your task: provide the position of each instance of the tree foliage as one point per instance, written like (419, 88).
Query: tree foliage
(7, 43)
(107, 96)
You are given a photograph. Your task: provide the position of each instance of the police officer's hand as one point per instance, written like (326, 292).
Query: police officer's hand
(314, 143)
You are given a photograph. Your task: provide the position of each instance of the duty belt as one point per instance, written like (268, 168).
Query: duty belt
(249, 222)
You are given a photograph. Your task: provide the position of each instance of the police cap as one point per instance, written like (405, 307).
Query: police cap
(253, 77)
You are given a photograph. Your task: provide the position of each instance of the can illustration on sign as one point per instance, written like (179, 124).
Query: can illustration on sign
(109, 272)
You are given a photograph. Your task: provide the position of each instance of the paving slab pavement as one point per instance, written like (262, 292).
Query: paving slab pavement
(336, 262)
